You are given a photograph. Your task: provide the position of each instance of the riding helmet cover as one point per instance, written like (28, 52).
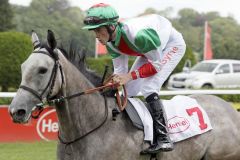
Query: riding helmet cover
(100, 15)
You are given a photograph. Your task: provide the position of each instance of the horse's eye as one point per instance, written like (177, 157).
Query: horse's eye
(42, 70)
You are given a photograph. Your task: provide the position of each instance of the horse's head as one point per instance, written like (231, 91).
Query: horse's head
(41, 79)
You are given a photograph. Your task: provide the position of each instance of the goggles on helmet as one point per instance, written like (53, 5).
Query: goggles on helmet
(96, 20)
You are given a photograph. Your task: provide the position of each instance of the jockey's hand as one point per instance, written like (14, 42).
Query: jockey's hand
(122, 78)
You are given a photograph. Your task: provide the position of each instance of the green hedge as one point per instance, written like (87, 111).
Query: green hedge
(5, 101)
(98, 65)
(14, 49)
(230, 98)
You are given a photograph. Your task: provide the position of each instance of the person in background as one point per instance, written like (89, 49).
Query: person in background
(158, 46)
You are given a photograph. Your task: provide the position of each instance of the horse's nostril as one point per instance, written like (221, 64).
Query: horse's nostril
(21, 113)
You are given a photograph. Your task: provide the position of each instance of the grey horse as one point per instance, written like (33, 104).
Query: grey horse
(86, 128)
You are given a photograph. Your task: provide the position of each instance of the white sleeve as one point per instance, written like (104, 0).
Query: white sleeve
(120, 64)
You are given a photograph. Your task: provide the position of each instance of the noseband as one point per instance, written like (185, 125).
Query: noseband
(53, 54)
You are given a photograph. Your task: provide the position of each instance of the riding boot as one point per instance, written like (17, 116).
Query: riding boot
(161, 140)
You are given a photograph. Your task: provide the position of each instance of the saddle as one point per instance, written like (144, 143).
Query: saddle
(184, 120)
(134, 116)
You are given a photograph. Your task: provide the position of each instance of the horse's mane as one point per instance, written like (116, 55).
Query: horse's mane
(78, 58)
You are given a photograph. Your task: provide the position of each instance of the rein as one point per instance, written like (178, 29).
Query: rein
(89, 132)
(121, 104)
(89, 91)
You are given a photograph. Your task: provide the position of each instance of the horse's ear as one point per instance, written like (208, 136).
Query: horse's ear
(35, 40)
(52, 43)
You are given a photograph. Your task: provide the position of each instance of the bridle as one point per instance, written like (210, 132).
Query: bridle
(50, 84)
(46, 100)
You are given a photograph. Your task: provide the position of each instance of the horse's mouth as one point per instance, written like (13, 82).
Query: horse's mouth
(19, 121)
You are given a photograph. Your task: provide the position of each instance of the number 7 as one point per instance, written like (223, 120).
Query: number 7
(190, 112)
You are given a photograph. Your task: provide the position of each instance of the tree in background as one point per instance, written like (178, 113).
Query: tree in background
(167, 12)
(225, 33)
(148, 11)
(14, 49)
(57, 15)
(6, 16)
(225, 38)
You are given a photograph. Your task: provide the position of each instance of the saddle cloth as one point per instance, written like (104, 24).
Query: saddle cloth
(185, 118)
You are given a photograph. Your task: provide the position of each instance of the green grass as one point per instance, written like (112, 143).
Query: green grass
(28, 151)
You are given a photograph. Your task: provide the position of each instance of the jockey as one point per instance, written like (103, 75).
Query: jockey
(158, 48)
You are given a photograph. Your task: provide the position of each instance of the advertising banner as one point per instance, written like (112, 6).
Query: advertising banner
(43, 128)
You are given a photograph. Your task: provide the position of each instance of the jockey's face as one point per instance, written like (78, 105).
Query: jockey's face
(102, 34)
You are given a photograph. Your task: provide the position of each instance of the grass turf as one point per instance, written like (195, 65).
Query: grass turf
(28, 151)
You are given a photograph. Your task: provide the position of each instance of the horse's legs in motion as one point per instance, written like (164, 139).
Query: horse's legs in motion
(162, 141)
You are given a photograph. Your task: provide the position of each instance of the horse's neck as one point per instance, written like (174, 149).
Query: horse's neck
(81, 114)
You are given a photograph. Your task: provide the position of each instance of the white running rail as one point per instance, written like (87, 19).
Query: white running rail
(162, 93)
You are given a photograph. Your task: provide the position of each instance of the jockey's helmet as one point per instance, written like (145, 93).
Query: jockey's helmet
(99, 15)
